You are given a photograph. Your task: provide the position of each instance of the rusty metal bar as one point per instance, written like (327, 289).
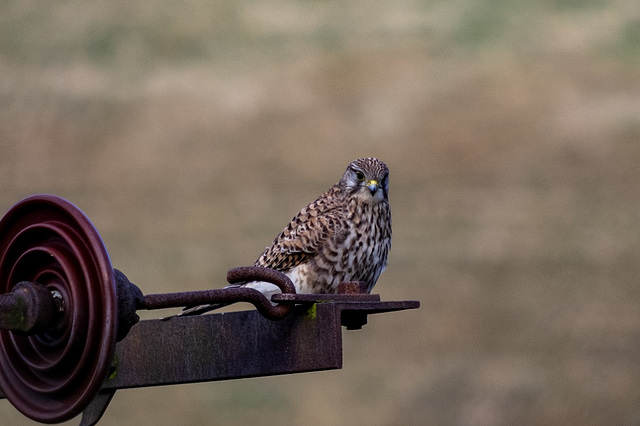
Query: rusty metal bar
(29, 308)
(222, 296)
(229, 295)
(227, 346)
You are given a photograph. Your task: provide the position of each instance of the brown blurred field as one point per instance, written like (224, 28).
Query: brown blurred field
(191, 132)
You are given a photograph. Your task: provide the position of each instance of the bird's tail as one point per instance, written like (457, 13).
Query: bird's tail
(266, 288)
(200, 309)
(197, 310)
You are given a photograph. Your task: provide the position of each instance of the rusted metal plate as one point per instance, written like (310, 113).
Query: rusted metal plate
(227, 346)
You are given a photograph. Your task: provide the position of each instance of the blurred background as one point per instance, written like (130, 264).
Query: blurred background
(190, 132)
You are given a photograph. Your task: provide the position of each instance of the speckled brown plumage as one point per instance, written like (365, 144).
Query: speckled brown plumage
(344, 235)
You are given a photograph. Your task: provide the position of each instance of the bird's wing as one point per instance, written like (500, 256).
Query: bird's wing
(303, 237)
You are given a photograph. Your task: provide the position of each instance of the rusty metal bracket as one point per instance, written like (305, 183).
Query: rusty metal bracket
(228, 295)
(234, 345)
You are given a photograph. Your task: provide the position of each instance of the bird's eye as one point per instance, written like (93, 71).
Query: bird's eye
(359, 176)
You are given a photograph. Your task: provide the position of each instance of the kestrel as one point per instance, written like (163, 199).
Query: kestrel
(344, 235)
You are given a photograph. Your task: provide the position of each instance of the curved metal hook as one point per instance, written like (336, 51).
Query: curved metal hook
(229, 295)
(258, 273)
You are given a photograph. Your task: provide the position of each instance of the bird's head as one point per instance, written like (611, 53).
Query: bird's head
(367, 179)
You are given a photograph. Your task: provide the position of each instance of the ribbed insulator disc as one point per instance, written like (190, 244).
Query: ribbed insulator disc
(52, 376)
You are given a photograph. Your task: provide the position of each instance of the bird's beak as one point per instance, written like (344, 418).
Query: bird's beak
(373, 186)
